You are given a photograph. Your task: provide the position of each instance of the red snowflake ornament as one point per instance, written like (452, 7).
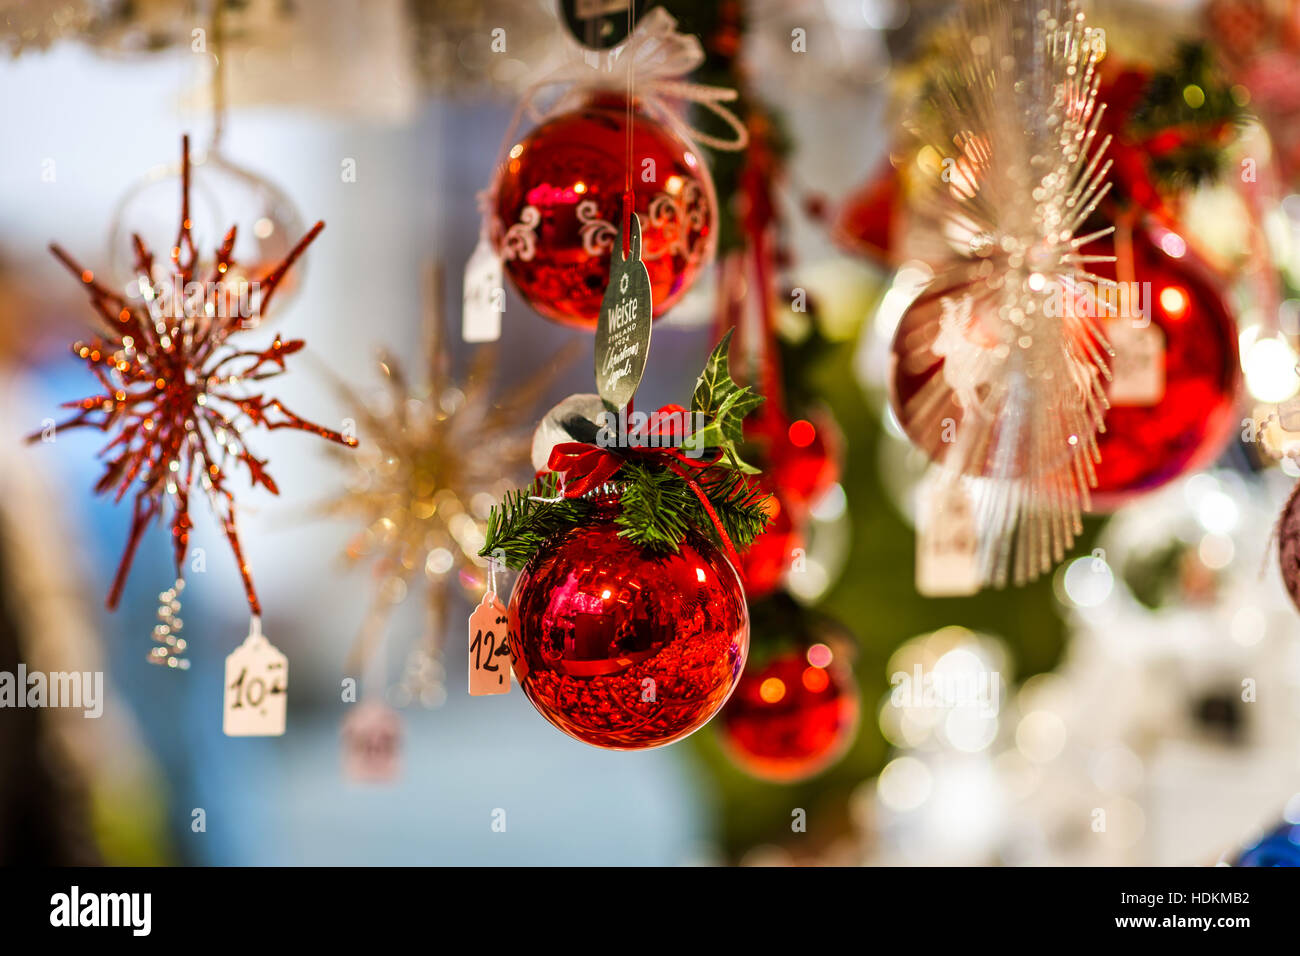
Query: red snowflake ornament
(178, 396)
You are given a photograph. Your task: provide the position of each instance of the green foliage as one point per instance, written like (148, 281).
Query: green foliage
(528, 517)
(655, 507)
(1192, 98)
(725, 403)
(742, 510)
(657, 503)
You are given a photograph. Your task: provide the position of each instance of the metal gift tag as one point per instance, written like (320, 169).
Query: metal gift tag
(599, 24)
(623, 327)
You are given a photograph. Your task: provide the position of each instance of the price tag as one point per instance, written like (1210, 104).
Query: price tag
(1138, 367)
(1288, 414)
(947, 546)
(623, 327)
(372, 743)
(484, 295)
(489, 651)
(256, 691)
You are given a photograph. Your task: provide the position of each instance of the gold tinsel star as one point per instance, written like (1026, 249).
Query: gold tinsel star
(435, 456)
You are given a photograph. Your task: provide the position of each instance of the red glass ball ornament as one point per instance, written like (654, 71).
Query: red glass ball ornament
(792, 717)
(625, 649)
(1148, 443)
(800, 457)
(1164, 426)
(559, 207)
(765, 562)
(867, 222)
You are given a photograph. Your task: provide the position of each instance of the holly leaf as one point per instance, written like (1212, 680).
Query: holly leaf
(731, 415)
(715, 383)
(724, 403)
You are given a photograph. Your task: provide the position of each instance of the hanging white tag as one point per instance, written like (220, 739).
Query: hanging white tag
(372, 743)
(489, 652)
(947, 547)
(1138, 366)
(484, 295)
(256, 689)
(1288, 414)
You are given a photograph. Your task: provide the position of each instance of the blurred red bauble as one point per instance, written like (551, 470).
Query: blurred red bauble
(625, 649)
(1182, 415)
(868, 219)
(559, 207)
(793, 716)
(800, 457)
(765, 562)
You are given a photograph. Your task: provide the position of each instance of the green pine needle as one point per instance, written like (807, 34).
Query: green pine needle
(658, 506)
(519, 527)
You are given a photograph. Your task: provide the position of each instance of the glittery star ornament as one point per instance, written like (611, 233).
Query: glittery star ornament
(438, 454)
(178, 396)
(999, 365)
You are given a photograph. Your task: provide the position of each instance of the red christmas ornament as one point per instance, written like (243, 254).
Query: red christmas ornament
(1173, 395)
(559, 207)
(792, 717)
(1288, 545)
(764, 563)
(625, 649)
(801, 458)
(868, 220)
(1173, 391)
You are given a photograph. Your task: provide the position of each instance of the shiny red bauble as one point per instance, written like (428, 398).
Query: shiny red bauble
(1176, 367)
(791, 717)
(625, 649)
(1148, 443)
(559, 207)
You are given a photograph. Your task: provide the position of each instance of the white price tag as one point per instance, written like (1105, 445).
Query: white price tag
(484, 295)
(1138, 367)
(947, 546)
(256, 690)
(489, 652)
(1288, 414)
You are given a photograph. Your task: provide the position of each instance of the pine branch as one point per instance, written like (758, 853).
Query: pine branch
(522, 524)
(656, 507)
(742, 508)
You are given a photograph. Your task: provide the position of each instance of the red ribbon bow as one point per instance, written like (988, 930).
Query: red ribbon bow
(583, 468)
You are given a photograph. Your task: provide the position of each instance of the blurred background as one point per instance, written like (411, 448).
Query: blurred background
(1137, 706)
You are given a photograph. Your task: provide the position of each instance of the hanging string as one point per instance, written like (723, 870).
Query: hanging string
(629, 198)
(218, 78)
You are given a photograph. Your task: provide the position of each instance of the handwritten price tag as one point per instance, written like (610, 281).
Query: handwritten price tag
(1138, 368)
(256, 692)
(483, 295)
(489, 652)
(947, 547)
(623, 327)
